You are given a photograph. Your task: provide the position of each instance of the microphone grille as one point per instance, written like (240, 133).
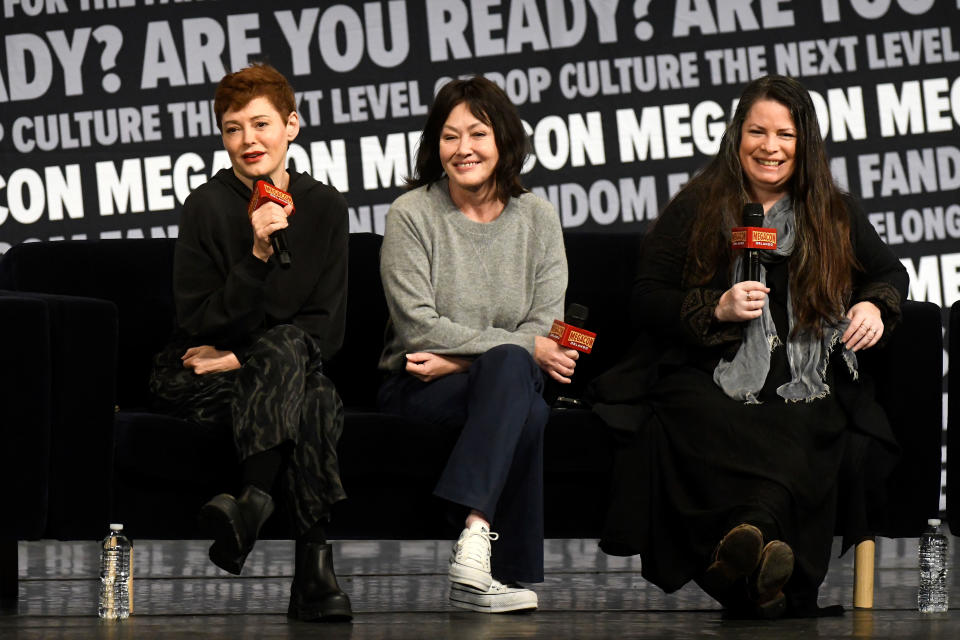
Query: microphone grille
(753, 214)
(576, 315)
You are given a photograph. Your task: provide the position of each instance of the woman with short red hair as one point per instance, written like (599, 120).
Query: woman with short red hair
(252, 337)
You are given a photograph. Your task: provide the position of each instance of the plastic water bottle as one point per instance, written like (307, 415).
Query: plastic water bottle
(932, 596)
(116, 575)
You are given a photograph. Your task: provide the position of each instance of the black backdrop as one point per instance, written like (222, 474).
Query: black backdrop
(106, 120)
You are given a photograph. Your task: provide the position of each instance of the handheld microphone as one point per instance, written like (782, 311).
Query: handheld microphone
(263, 192)
(569, 334)
(752, 237)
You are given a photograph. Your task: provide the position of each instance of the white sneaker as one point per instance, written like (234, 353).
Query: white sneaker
(499, 598)
(470, 558)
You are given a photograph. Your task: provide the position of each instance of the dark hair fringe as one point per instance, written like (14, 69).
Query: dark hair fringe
(489, 104)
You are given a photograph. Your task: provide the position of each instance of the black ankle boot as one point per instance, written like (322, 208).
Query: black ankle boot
(315, 594)
(234, 524)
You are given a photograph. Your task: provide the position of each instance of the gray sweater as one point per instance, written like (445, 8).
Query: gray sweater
(459, 287)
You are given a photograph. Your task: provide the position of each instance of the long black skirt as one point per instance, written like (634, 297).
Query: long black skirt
(703, 463)
(278, 398)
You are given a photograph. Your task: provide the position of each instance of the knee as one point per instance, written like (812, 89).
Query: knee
(323, 386)
(287, 339)
(283, 343)
(509, 356)
(285, 333)
(510, 369)
(537, 418)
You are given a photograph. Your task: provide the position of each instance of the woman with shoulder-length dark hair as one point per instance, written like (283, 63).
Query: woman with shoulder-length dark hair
(474, 271)
(743, 396)
(252, 337)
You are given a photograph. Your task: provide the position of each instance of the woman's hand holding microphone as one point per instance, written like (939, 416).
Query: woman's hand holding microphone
(741, 302)
(267, 219)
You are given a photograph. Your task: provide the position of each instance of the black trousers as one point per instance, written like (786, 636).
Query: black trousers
(496, 467)
(279, 397)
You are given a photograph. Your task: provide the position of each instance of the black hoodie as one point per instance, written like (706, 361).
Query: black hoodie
(225, 295)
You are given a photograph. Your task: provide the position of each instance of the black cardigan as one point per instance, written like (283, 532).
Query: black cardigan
(676, 325)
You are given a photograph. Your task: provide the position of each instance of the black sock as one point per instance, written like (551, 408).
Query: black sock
(261, 469)
(315, 534)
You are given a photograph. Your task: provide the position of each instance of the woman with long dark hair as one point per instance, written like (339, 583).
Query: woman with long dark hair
(743, 397)
(474, 272)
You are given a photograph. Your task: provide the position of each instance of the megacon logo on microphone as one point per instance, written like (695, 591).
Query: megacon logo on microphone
(753, 238)
(572, 337)
(264, 192)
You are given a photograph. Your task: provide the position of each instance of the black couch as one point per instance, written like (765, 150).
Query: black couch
(953, 414)
(82, 319)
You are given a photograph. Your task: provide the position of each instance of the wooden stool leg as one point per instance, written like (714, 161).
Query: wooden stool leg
(863, 567)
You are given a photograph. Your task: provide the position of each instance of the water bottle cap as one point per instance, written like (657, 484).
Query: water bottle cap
(934, 522)
(119, 527)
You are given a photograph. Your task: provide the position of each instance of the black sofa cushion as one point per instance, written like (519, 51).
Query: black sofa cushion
(354, 368)
(167, 449)
(135, 277)
(601, 269)
(907, 374)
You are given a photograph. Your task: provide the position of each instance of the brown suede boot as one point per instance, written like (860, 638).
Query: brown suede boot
(735, 560)
(766, 586)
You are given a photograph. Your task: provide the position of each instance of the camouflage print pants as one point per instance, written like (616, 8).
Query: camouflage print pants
(278, 396)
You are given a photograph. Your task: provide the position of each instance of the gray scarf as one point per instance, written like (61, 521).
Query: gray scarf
(743, 377)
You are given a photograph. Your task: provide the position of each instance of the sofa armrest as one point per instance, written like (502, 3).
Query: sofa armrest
(953, 419)
(25, 392)
(908, 373)
(81, 374)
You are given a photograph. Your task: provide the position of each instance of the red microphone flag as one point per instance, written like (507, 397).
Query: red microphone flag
(571, 337)
(753, 238)
(264, 192)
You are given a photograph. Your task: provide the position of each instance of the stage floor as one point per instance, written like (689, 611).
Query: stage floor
(399, 590)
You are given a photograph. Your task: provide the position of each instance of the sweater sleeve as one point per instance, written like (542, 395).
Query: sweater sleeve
(213, 297)
(405, 270)
(550, 276)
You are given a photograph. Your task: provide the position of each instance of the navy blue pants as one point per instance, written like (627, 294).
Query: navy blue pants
(496, 467)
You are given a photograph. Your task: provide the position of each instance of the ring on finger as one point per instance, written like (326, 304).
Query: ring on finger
(749, 296)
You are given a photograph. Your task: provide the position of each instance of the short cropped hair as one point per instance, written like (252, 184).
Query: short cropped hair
(489, 104)
(258, 80)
